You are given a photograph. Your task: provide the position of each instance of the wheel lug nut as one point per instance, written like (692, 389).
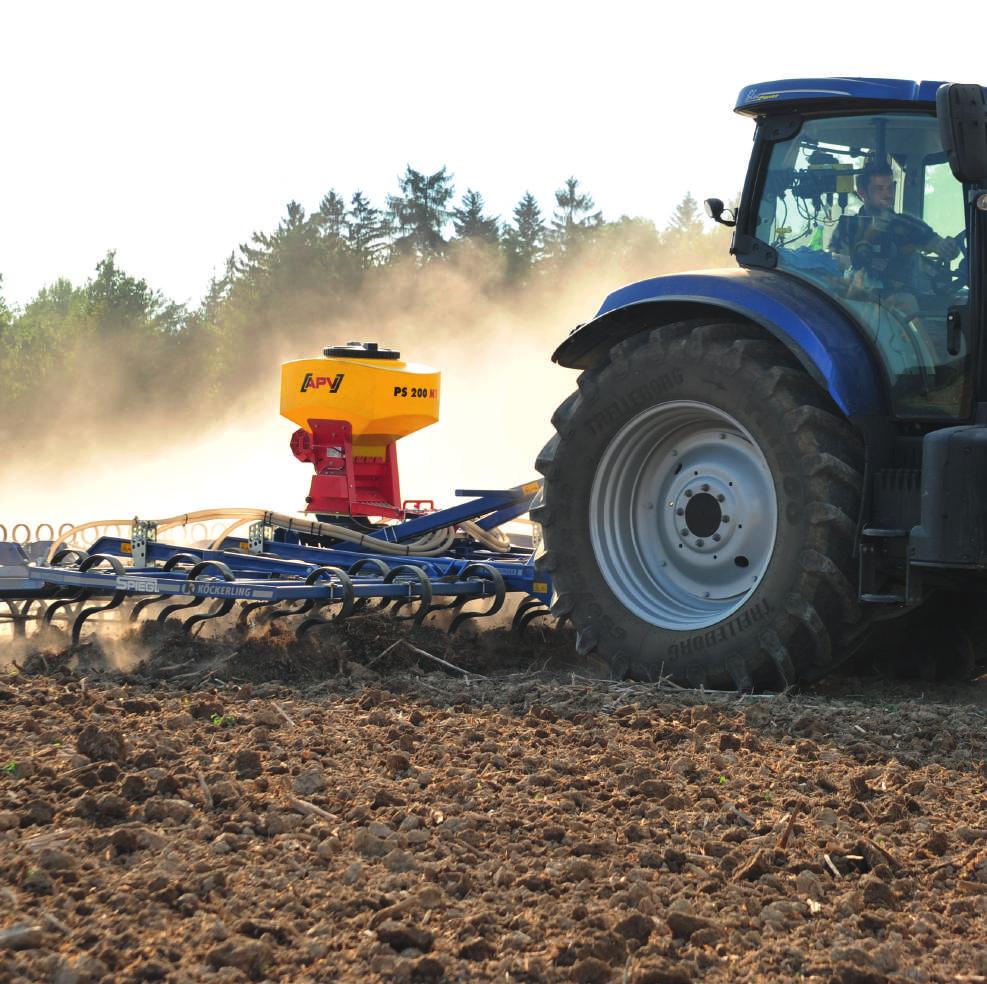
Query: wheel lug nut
(700, 543)
(684, 531)
(679, 512)
(717, 537)
(720, 497)
(725, 518)
(706, 487)
(688, 493)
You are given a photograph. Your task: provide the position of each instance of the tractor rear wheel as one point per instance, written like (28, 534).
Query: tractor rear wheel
(698, 511)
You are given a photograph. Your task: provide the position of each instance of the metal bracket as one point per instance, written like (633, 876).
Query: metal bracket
(257, 534)
(142, 534)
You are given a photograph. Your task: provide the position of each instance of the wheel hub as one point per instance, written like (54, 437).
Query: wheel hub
(709, 544)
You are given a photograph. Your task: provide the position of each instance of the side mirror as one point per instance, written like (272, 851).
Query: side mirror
(715, 210)
(962, 115)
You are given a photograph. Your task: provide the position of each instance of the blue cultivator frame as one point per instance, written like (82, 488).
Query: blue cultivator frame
(276, 568)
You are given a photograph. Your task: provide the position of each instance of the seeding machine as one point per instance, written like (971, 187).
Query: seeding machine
(358, 548)
(763, 471)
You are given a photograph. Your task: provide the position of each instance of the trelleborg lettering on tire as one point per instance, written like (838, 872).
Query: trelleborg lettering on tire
(640, 396)
(729, 629)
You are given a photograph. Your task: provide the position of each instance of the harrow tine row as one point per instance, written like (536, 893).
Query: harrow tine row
(312, 574)
(100, 584)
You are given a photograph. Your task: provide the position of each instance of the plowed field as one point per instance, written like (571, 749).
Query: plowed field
(353, 809)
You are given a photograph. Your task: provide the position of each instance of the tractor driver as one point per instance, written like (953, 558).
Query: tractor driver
(880, 247)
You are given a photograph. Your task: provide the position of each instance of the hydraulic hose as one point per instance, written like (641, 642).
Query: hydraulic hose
(431, 544)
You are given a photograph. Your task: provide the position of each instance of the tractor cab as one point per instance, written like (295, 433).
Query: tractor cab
(850, 190)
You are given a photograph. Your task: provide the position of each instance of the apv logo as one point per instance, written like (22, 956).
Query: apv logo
(317, 382)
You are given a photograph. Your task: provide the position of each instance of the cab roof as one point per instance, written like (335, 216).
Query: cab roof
(787, 95)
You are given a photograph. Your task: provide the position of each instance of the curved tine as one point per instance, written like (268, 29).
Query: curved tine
(306, 605)
(379, 567)
(523, 611)
(246, 608)
(424, 597)
(162, 616)
(115, 600)
(77, 594)
(543, 612)
(218, 611)
(169, 565)
(198, 568)
(80, 556)
(319, 574)
(486, 573)
(346, 608)
(203, 565)
(139, 606)
(180, 558)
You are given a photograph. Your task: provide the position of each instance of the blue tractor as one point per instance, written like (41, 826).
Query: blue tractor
(766, 470)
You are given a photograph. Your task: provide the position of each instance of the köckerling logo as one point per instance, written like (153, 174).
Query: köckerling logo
(317, 382)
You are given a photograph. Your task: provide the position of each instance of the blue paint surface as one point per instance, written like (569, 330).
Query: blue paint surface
(821, 331)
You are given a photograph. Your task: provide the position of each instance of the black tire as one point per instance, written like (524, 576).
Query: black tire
(803, 618)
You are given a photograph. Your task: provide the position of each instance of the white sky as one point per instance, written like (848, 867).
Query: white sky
(171, 131)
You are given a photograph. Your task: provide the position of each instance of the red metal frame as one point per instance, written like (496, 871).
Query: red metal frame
(347, 484)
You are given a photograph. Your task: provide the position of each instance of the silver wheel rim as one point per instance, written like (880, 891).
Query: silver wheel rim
(683, 515)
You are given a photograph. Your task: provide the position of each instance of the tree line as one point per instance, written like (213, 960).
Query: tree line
(115, 345)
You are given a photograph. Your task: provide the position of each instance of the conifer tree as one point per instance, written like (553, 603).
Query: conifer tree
(524, 241)
(687, 219)
(421, 213)
(330, 216)
(470, 223)
(574, 217)
(367, 231)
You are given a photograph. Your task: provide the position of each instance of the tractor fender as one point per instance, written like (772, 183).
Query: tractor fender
(821, 335)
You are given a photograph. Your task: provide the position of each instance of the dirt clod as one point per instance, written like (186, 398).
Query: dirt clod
(101, 743)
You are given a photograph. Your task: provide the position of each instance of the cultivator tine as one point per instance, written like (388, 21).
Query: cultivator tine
(481, 572)
(246, 608)
(169, 610)
(218, 610)
(424, 593)
(169, 565)
(348, 603)
(301, 608)
(529, 609)
(74, 595)
(79, 555)
(115, 600)
(194, 573)
(377, 566)
(198, 572)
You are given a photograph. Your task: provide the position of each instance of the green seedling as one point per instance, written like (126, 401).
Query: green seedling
(222, 720)
(722, 780)
(10, 768)
(767, 795)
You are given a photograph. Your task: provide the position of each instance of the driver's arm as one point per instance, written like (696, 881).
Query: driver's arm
(942, 246)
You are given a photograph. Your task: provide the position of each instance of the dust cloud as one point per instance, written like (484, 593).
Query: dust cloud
(499, 389)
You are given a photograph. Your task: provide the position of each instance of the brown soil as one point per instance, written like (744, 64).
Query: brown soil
(251, 808)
